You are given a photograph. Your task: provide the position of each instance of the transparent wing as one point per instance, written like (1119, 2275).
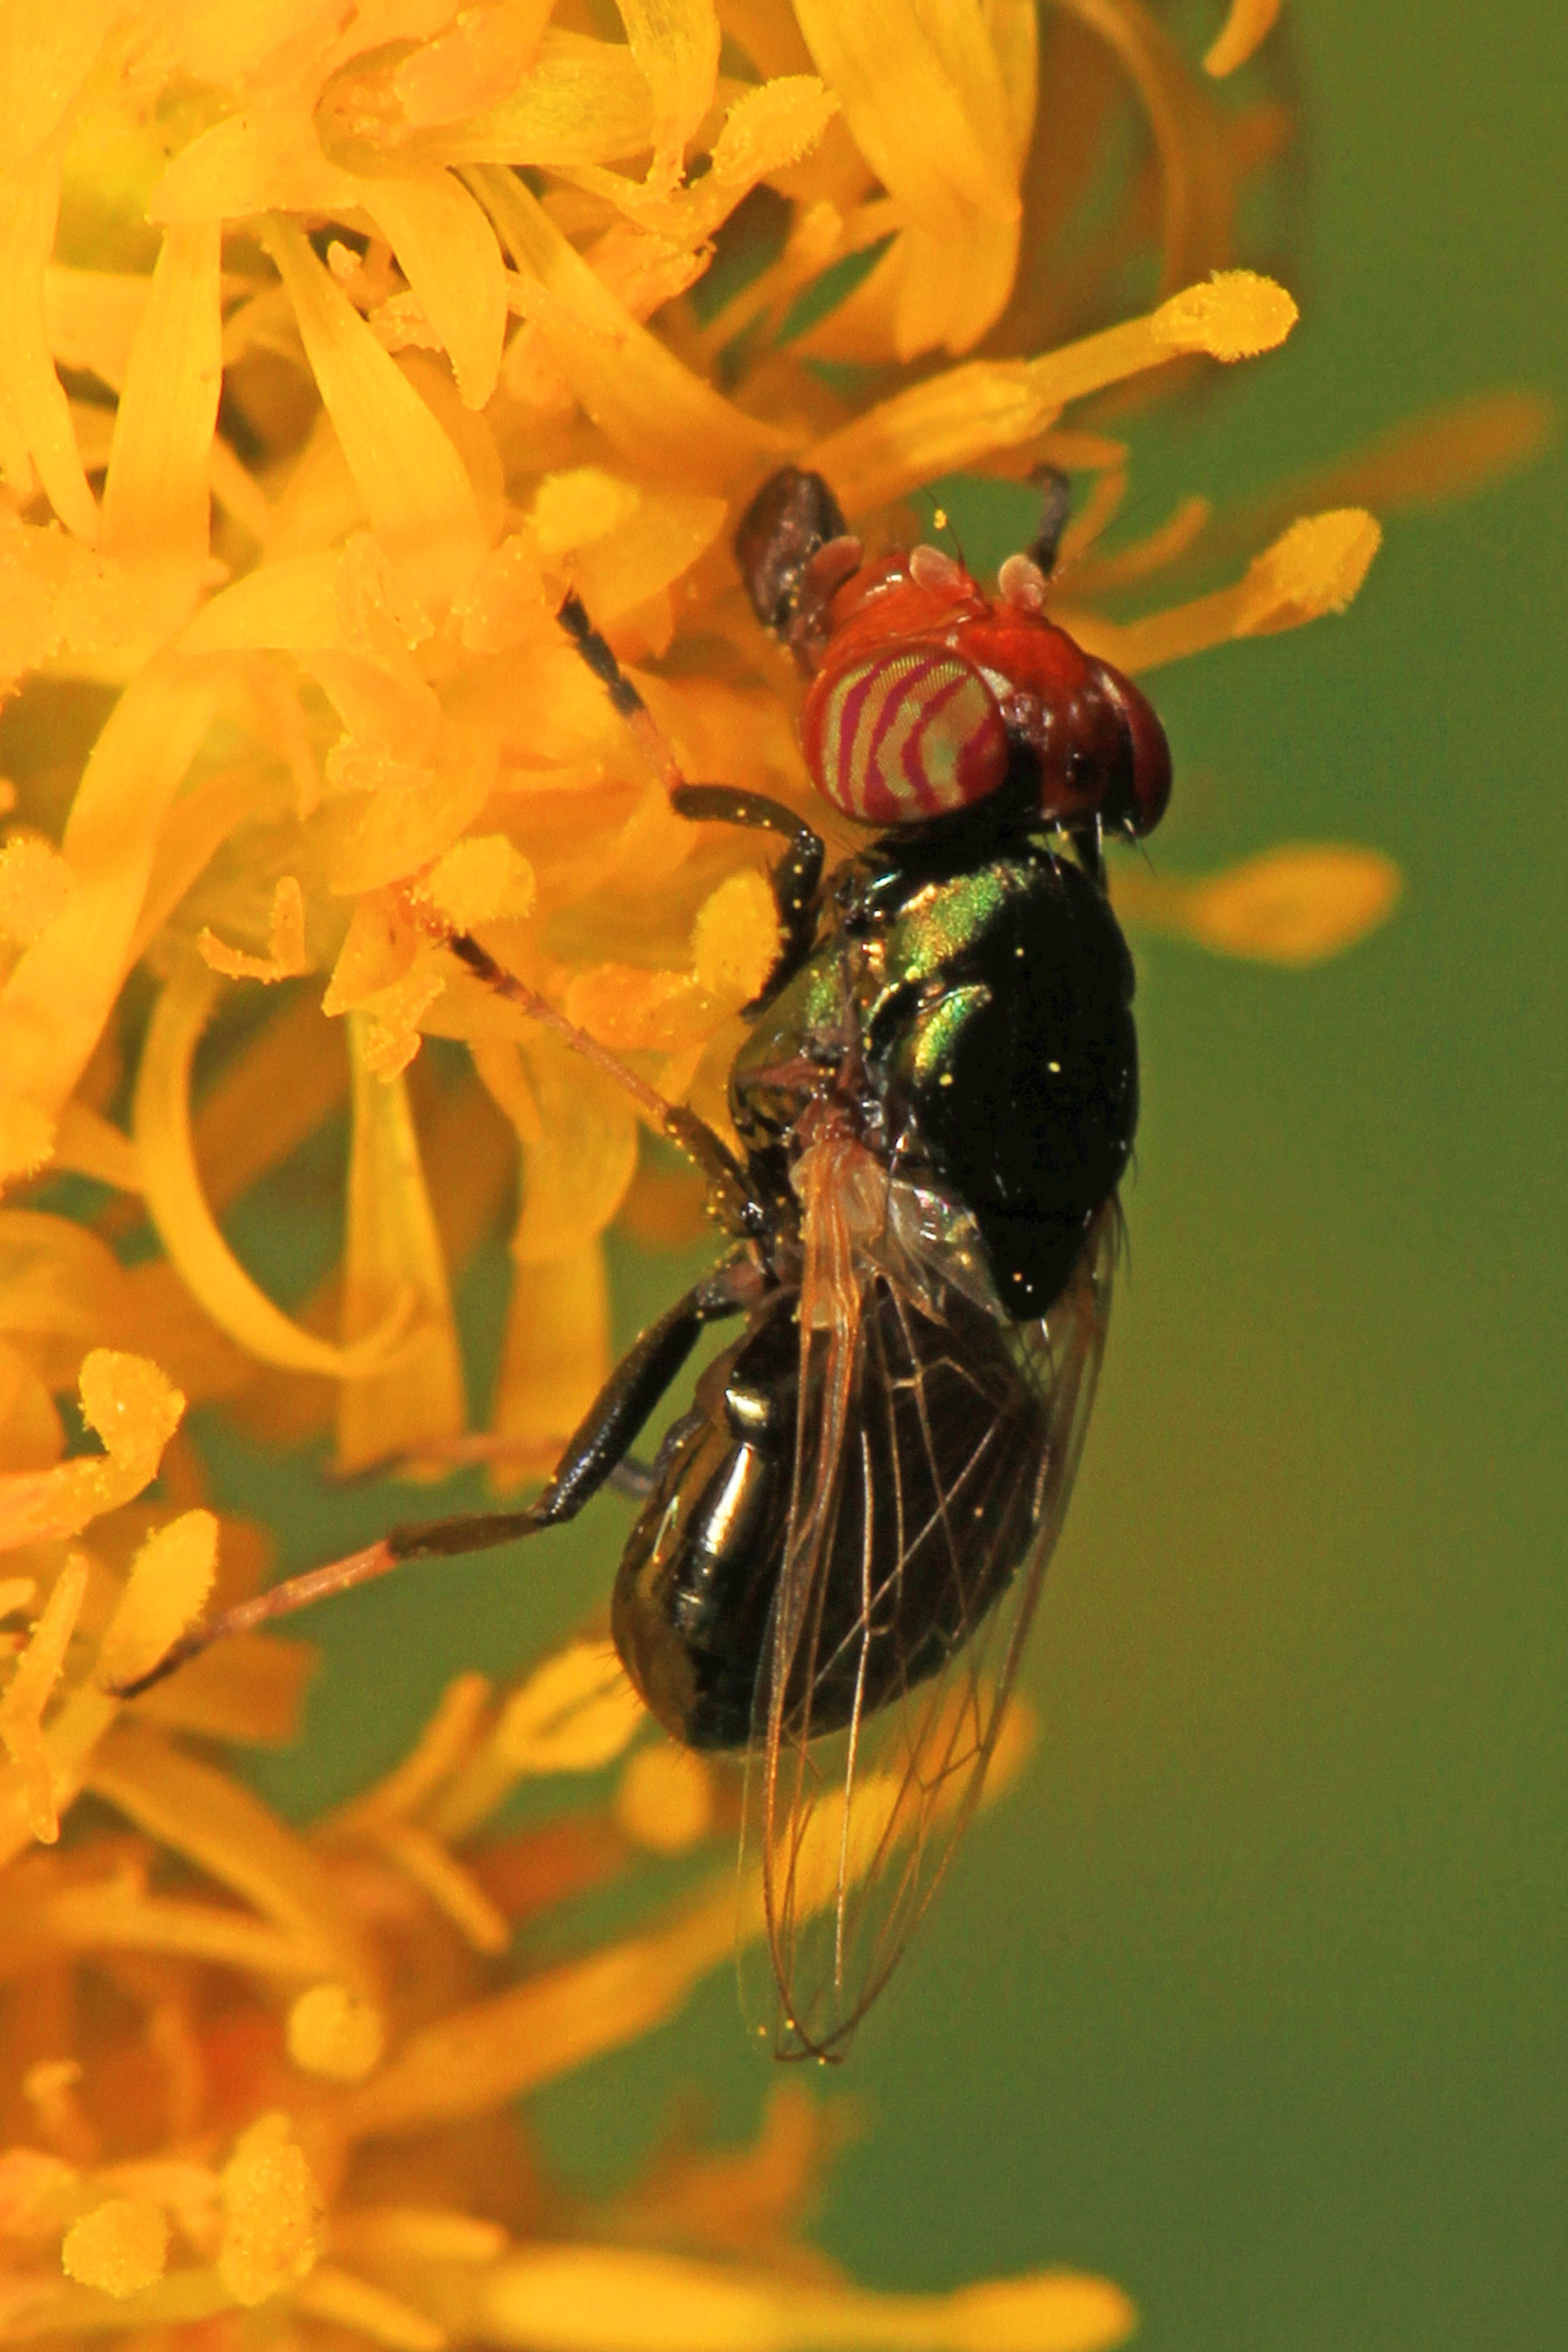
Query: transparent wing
(935, 1451)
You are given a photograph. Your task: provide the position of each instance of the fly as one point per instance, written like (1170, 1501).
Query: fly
(839, 1556)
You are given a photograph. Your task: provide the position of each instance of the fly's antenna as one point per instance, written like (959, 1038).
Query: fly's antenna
(1055, 505)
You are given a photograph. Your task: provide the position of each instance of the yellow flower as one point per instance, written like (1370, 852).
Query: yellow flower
(290, 2086)
(337, 344)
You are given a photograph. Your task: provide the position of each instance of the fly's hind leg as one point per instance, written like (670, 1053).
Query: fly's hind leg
(591, 1456)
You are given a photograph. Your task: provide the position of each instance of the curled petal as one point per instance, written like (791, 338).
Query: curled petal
(135, 1411)
(55, 1003)
(582, 101)
(178, 1206)
(392, 1253)
(1245, 29)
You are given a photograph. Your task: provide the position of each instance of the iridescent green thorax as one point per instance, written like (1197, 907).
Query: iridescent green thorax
(973, 1017)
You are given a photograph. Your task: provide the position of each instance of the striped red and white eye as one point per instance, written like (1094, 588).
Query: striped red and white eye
(910, 732)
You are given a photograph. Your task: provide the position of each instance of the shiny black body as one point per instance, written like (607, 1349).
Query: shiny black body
(967, 1006)
(695, 1594)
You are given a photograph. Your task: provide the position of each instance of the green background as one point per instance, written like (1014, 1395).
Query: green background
(1250, 1996)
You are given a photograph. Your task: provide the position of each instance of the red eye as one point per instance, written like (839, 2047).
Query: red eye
(913, 732)
(1150, 753)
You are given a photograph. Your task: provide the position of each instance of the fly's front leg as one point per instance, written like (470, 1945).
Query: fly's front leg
(629, 1396)
(798, 873)
(795, 879)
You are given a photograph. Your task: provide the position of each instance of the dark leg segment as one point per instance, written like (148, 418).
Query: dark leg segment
(614, 1422)
(795, 879)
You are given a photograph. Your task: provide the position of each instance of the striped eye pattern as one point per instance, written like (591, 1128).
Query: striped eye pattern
(908, 733)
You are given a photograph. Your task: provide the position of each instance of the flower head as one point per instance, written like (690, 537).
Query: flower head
(339, 345)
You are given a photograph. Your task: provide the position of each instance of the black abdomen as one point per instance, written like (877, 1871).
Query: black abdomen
(929, 1523)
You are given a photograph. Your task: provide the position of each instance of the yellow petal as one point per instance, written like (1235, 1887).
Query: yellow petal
(273, 2215)
(268, 154)
(391, 1257)
(580, 1156)
(249, 1688)
(170, 1580)
(92, 316)
(1296, 905)
(204, 1814)
(676, 44)
(480, 2058)
(650, 551)
(118, 1915)
(120, 2246)
(135, 1410)
(1315, 568)
(32, 398)
(55, 1001)
(156, 504)
(449, 253)
(582, 101)
(1244, 30)
(922, 92)
(88, 1145)
(184, 1223)
(484, 56)
(354, 2304)
(335, 2034)
(415, 489)
(452, 1889)
(385, 834)
(47, 55)
(30, 1688)
(564, 2298)
(555, 1357)
(650, 407)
